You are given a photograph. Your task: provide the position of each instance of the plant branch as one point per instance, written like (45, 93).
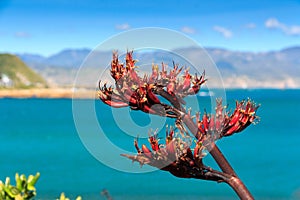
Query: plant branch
(214, 150)
(197, 172)
(221, 160)
(140, 94)
(237, 185)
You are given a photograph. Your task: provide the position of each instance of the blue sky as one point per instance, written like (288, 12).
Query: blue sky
(47, 27)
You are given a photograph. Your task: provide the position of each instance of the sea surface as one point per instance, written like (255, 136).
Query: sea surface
(39, 135)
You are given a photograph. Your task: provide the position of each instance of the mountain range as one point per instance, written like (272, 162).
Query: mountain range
(273, 69)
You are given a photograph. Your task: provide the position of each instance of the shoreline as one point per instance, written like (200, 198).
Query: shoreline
(51, 93)
(81, 93)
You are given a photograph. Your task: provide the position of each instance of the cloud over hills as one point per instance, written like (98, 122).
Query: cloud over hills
(274, 23)
(122, 27)
(188, 30)
(224, 31)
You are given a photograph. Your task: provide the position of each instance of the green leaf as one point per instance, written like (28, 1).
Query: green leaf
(11, 191)
(31, 188)
(23, 177)
(14, 190)
(18, 182)
(2, 192)
(32, 180)
(7, 181)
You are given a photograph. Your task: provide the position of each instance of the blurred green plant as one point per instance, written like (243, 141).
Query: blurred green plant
(63, 197)
(23, 190)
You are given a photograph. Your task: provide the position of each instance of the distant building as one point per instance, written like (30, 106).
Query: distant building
(5, 81)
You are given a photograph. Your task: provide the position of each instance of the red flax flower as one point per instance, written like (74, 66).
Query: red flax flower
(176, 155)
(141, 93)
(220, 124)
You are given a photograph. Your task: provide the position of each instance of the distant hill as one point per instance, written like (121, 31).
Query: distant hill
(69, 58)
(16, 74)
(279, 69)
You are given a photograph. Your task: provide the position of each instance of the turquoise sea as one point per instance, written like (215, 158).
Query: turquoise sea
(40, 135)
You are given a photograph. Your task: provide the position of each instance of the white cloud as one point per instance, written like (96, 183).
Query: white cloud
(294, 30)
(124, 26)
(224, 31)
(250, 26)
(188, 30)
(274, 23)
(22, 34)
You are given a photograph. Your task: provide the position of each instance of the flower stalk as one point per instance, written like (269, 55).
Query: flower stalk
(178, 155)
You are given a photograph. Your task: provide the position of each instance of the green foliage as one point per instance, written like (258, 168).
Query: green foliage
(21, 75)
(23, 190)
(63, 197)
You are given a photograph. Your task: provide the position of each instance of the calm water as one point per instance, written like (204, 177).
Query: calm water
(40, 135)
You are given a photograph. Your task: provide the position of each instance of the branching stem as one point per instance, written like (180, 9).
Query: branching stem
(228, 174)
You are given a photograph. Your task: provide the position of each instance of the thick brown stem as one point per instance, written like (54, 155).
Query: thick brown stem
(235, 183)
(221, 160)
(240, 189)
(203, 172)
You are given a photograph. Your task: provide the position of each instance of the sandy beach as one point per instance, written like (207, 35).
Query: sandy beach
(47, 93)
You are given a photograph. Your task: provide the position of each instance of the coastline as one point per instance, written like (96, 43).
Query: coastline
(84, 93)
(48, 93)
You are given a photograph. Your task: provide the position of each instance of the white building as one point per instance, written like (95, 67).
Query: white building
(5, 81)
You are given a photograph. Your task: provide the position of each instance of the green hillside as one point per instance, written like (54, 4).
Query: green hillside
(20, 75)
